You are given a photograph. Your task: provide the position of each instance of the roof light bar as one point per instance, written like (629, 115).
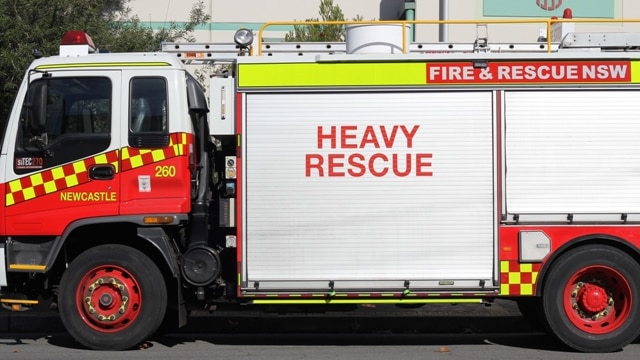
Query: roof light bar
(76, 43)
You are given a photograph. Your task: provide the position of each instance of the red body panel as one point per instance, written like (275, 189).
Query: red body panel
(44, 203)
(521, 279)
(561, 235)
(169, 192)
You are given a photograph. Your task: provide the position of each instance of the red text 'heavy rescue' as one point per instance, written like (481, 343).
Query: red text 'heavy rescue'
(375, 163)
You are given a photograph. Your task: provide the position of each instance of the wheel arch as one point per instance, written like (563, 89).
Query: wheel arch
(84, 234)
(591, 239)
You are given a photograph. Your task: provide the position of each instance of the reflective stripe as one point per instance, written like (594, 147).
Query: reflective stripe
(331, 74)
(449, 73)
(517, 278)
(635, 72)
(134, 158)
(76, 173)
(368, 301)
(106, 64)
(19, 301)
(27, 267)
(55, 179)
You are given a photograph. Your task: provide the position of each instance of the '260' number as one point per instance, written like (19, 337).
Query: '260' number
(165, 171)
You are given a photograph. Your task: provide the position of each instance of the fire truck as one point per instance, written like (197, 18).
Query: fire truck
(369, 172)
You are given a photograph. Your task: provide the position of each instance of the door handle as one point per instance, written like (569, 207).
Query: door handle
(102, 172)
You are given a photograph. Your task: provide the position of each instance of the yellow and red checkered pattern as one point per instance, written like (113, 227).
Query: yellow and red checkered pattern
(517, 278)
(69, 175)
(134, 158)
(55, 179)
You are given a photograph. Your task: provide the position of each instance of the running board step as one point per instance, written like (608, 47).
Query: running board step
(18, 305)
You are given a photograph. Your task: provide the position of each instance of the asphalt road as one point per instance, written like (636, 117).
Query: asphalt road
(318, 346)
(371, 332)
(502, 317)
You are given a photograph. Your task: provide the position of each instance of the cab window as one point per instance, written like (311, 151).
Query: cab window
(148, 125)
(78, 124)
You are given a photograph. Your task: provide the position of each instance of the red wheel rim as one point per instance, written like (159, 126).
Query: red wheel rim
(108, 299)
(597, 300)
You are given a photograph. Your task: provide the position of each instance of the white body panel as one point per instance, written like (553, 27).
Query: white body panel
(221, 119)
(572, 152)
(94, 65)
(302, 230)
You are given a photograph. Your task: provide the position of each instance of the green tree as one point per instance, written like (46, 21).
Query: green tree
(129, 34)
(26, 25)
(320, 32)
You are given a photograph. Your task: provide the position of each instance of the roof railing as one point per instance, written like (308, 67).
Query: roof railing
(555, 29)
(548, 23)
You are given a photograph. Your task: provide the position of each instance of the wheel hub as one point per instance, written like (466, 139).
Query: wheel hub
(591, 300)
(106, 299)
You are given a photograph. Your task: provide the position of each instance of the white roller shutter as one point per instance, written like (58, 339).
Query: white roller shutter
(572, 152)
(302, 229)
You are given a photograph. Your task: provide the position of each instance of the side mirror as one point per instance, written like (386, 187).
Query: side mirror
(37, 107)
(196, 97)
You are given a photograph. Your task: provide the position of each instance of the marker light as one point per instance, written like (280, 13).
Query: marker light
(243, 38)
(158, 220)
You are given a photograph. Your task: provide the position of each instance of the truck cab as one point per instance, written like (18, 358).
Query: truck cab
(100, 149)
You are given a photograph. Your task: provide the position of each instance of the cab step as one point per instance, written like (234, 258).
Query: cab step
(18, 305)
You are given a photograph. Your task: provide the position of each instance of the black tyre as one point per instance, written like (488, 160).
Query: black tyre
(591, 299)
(112, 297)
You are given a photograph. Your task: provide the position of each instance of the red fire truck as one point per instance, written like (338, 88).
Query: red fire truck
(331, 177)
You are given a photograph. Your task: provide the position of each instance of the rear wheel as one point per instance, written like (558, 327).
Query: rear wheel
(112, 297)
(591, 299)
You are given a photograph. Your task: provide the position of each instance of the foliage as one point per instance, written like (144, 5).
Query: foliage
(131, 35)
(26, 25)
(319, 32)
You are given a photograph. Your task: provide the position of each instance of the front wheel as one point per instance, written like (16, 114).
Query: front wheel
(591, 299)
(112, 297)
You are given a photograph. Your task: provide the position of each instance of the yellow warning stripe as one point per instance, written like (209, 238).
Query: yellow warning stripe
(331, 74)
(72, 174)
(337, 74)
(105, 64)
(19, 301)
(635, 72)
(27, 267)
(518, 278)
(367, 301)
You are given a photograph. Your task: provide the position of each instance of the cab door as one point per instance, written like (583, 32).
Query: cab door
(66, 169)
(155, 156)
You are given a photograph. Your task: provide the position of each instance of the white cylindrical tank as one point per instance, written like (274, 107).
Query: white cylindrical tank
(376, 38)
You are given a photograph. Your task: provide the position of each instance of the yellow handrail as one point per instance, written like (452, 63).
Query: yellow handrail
(547, 22)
